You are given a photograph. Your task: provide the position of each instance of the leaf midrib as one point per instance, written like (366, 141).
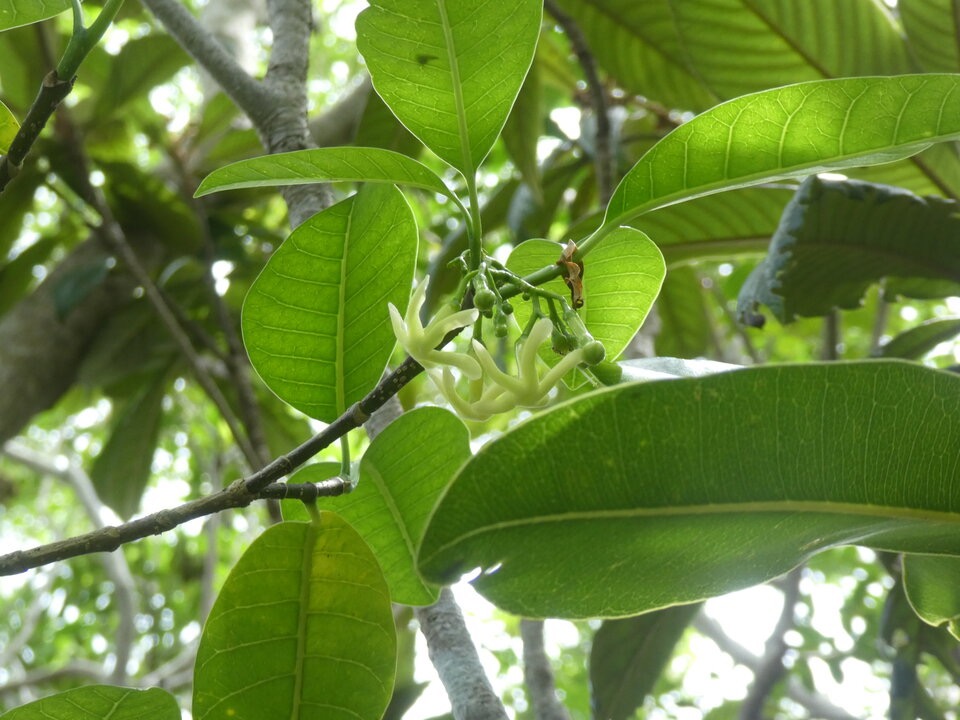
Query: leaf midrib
(306, 570)
(825, 507)
(464, 131)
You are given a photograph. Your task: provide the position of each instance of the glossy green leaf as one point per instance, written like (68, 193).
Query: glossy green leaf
(302, 628)
(621, 280)
(8, 128)
(399, 485)
(450, 71)
(122, 469)
(315, 321)
(740, 46)
(326, 165)
(100, 702)
(791, 131)
(932, 28)
(652, 494)
(15, 13)
(916, 342)
(628, 656)
(638, 44)
(932, 585)
(836, 238)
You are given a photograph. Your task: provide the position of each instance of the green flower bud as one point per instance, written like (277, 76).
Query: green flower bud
(594, 352)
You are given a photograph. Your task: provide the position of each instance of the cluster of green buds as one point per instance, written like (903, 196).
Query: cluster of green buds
(490, 390)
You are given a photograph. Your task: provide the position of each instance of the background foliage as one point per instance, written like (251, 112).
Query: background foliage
(846, 267)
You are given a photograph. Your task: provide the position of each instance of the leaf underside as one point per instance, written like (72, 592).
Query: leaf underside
(652, 494)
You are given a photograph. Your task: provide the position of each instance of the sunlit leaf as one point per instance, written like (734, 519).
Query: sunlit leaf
(932, 27)
(315, 322)
(302, 628)
(100, 702)
(398, 487)
(740, 46)
(791, 132)
(326, 165)
(836, 238)
(15, 13)
(450, 71)
(621, 280)
(653, 494)
(637, 43)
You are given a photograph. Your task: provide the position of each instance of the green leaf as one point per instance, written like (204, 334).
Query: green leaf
(315, 321)
(17, 275)
(916, 342)
(685, 322)
(741, 46)
(24, 12)
(837, 238)
(100, 702)
(141, 64)
(339, 164)
(522, 131)
(788, 132)
(628, 656)
(717, 226)
(379, 128)
(653, 494)
(450, 71)
(301, 629)
(621, 280)
(932, 585)
(122, 469)
(399, 485)
(8, 128)
(637, 43)
(932, 29)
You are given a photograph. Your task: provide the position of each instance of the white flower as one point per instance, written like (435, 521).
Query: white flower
(421, 342)
(492, 390)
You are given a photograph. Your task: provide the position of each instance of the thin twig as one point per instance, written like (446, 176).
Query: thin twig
(239, 494)
(455, 657)
(603, 157)
(831, 337)
(539, 674)
(771, 669)
(796, 691)
(248, 94)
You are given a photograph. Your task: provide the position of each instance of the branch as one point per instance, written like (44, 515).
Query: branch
(770, 668)
(239, 494)
(815, 705)
(116, 241)
(539, 674)
(84, 669)
(248, 94)
(52, 91)
(603, 157)
(453, 654)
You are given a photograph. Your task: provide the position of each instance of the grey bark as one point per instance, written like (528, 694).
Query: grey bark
(40, 352)
(454, 656)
